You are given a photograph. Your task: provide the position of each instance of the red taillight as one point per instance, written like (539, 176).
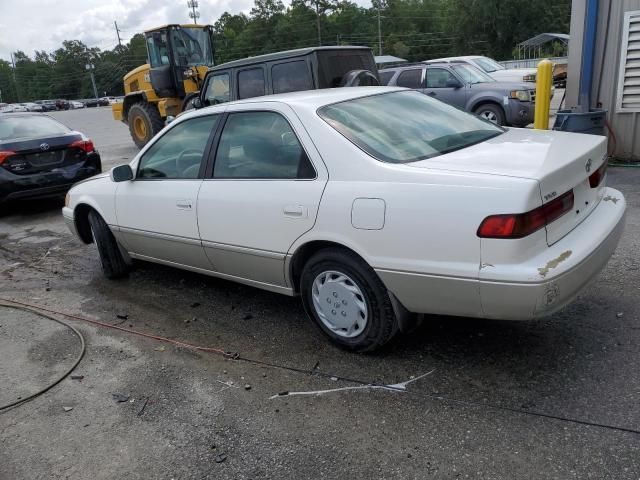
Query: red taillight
(596, 177)
(520, 225)
(4, 154)
(84, 145)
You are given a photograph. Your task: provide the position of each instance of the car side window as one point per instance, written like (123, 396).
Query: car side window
(179, 153)
(251, 83)
(410, 78)
(439, 78)
(260, 145)
(385, 77)
(291, 77)
(217, 89)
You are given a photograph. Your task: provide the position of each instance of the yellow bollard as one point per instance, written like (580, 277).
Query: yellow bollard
(544, 79)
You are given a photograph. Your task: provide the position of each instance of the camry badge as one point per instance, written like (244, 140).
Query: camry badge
(45, 146)
(587, 166)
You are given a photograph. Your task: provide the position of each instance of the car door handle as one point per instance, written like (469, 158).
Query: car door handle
(296, 211)
(184, 204)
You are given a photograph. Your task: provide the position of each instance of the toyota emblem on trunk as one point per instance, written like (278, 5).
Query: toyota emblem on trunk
(45, 146)
(587, 166)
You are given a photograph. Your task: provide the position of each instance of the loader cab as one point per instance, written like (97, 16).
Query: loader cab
(173, 53)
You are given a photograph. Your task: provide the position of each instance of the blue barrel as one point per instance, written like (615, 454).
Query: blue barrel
(591, 122)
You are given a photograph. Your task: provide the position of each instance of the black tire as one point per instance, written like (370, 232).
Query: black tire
(381, 324)
(491, 109)
(113, 265)
(149, 115)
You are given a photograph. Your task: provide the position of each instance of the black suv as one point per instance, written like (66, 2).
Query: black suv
(289, 71)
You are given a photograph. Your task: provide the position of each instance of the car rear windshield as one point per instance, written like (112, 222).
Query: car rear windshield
(403, 127)
(30, 126)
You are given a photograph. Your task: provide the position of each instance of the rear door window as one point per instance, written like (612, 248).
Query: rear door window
(251, 83)
(260, 145)
(291, 77)
(410, 78)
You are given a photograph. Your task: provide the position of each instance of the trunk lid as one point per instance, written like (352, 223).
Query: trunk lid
(559, 161)
(43, 154)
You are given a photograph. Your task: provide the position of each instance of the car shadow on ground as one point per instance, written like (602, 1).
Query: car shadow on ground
(31, 207)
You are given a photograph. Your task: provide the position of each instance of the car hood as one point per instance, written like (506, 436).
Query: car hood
(513, 74)
(518, 152)
(506, 86)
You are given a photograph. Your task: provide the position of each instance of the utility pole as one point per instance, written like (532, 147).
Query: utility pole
(15, 84)
(195, 14)
(91, 67)
(379, 34)
(318, 23)
(118, 33)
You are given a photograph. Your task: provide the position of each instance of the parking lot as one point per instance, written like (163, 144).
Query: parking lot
(550, 399)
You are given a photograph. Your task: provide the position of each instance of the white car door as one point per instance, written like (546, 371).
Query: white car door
(156, 211)
(262, 193)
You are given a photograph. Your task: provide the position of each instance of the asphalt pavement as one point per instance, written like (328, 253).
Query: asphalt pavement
(556, 398)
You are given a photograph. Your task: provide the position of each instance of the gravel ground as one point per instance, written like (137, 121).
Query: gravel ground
(188, 414)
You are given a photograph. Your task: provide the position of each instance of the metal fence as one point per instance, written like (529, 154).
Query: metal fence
(530, 62)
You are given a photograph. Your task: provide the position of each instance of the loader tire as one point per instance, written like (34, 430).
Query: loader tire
(144, 122)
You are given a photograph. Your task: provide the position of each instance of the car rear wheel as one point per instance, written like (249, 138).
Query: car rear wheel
(113, 264)
(491, 112)
(144, 122)
(347, 301)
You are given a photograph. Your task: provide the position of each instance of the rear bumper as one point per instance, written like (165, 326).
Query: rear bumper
(46, 184)
(534, 288)
(554, 278)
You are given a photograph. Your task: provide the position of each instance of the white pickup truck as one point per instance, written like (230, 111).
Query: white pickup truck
(493, 68)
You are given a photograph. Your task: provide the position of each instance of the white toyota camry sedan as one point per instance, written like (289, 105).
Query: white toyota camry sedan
(373, 204)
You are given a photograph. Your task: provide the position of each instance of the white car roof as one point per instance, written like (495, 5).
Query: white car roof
(305, 100)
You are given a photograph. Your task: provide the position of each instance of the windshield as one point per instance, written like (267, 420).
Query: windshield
(487, 64)
(402, 127)
(471, 74)
(192, 46)
(30, 126)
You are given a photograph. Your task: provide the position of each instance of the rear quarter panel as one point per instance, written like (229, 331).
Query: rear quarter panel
(430, 222)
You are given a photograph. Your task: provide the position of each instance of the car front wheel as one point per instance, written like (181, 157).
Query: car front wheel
(113, 264)
(347, 301)
(491, 112)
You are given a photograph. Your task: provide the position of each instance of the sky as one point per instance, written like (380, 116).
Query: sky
(30, 25)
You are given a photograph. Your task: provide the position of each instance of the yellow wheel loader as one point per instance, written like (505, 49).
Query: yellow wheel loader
(178, 59)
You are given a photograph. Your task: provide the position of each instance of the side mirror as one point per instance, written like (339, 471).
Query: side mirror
(453, 83)
(170, 118)
(121, 173)
(196, 103)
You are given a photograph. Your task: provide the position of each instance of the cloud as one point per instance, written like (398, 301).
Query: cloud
(30, 25)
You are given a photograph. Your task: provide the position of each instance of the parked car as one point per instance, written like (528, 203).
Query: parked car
(47, 105)
(62, 104)
(41, 157)
(18, 107)
(373, 204)
(468, 88)
(74, 104)
(492, 68)
(288, 71)
(33, 107)
(96, 102)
